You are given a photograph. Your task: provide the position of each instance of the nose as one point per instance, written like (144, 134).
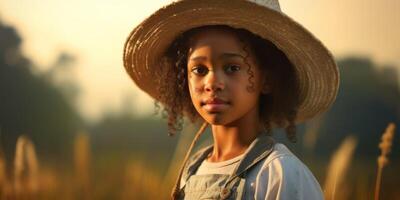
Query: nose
(214, 82)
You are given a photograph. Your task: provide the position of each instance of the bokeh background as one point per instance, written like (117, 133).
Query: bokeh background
(74, 126)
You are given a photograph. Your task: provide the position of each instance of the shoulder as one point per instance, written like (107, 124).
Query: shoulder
(282, 157)
(283, 176)
(283, 165)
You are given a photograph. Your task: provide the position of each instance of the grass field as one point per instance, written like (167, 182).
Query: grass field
(92, 176)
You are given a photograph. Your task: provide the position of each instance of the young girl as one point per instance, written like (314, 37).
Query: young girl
(244, 68)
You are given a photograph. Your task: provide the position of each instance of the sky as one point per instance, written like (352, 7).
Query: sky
(95, 31)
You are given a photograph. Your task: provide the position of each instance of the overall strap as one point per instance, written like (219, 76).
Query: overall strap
(260, 149)
(195, 162)
(176, 191)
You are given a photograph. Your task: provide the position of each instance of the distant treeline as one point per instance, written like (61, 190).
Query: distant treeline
(31, 104)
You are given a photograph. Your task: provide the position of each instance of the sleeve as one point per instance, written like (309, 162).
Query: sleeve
(286, 178)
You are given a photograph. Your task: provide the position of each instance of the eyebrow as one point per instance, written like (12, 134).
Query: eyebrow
(230, 55)
(224, 55)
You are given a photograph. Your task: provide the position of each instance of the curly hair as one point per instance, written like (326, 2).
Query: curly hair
(277, 108)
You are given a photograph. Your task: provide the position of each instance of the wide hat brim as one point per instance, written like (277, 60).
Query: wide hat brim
(315, 66)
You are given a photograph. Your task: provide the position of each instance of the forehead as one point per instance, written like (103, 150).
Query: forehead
(216, 39)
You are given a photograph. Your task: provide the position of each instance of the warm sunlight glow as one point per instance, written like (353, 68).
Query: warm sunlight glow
(95, 32)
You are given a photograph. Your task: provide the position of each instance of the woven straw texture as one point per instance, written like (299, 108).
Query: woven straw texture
(315, 66)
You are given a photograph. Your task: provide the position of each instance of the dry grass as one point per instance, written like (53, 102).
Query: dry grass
(385, 146)
(140, 182)
(82, 166)
(137, 180)
(26, 169)
(3, 177)
(337, 169)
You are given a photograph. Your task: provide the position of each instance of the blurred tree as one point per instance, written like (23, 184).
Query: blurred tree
(61, 75)
(30, 104)
(368, 100)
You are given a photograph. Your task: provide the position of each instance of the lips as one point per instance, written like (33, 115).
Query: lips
(215, 104)
(215, 101)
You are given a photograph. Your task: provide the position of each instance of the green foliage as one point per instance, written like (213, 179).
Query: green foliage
(368, 100)
(30, 104)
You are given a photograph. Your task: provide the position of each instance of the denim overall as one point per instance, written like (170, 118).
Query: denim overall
(223, 186)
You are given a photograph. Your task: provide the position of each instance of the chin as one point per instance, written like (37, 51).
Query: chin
(216, 119)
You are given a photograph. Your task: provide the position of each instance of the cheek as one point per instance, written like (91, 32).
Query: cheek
(240, 84)
(195, 94)
(195, 90)
(194, 86)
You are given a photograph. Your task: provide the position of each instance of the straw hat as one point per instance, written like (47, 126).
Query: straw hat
(314, 65)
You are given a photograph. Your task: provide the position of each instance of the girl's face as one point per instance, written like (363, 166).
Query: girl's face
(224, 79)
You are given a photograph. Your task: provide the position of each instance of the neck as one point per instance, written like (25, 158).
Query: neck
(233, 140)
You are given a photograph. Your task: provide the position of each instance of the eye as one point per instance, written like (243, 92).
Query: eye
(200, 70)
(232, 68)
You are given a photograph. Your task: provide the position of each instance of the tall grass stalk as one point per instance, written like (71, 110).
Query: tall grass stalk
(337, 169)
(3, 175)
(26, 168)
(385, 146)
(82, 162)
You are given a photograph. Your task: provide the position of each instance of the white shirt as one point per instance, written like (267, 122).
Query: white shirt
(279, 176)
(224, 167)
